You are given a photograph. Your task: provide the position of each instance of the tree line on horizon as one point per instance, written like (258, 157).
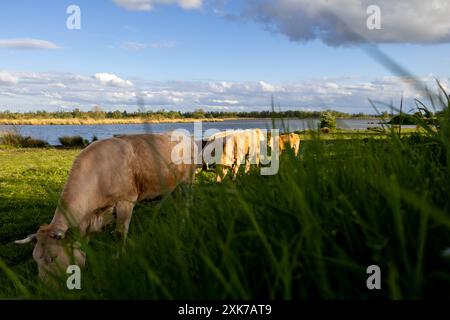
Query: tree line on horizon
(99, 113)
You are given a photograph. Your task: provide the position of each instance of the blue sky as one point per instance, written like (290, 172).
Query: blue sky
(174, 54)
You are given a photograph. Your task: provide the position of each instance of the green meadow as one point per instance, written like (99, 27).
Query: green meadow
(310, 231)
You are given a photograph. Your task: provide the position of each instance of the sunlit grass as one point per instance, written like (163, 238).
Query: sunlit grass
(308, 232)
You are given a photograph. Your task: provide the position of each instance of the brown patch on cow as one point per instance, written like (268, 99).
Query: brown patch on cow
(45, 230)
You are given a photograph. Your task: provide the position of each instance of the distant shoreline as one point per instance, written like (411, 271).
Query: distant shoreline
(91, 121)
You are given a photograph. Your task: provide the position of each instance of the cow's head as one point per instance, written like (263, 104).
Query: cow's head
(53, 252)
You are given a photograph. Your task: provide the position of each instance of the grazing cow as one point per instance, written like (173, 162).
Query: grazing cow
(242, 145)
(225, 143)
(237, 147)
(250, 148)
(108, 177)
(292, 140)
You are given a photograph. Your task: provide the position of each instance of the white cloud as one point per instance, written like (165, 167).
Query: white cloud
(58, 85)
(27, 44)
(267, 87)
(51, 95)
(50, 91)
(7, 78)
(147, 5)
(220, 87)
(227, 102)
(112, 80)
(134, 46)
(166, 44)
(343, 22)
(137, 46)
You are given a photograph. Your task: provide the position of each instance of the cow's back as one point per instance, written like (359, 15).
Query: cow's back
(154, 171)
(102, 170)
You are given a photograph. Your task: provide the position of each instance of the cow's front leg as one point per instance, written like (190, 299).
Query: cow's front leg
(247, 165)
(235, 170)
(236, 166)
(297, 149)
(124, 211)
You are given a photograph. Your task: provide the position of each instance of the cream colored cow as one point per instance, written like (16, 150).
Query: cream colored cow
(239, 147)
(108, 176)
(291, 140)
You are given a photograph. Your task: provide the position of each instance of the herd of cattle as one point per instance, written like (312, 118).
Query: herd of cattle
(243, 146)
(111, 175)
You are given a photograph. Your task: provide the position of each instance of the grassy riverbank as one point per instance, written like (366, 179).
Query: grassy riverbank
(308, 232)
(91, 121)
(99, 116)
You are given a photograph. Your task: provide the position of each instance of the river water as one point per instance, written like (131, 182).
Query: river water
(53, 132)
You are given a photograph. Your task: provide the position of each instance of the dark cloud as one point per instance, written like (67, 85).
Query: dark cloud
(344, 22)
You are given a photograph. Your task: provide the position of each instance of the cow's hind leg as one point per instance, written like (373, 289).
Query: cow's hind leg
(124, 211)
